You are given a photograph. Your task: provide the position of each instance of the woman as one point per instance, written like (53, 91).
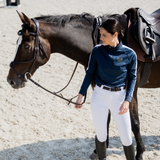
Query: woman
(113, 64)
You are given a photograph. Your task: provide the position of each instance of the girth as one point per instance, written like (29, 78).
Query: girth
(95, 34)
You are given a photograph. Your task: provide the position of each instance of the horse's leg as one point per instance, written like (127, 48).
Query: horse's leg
(108, 121)
(136, 125)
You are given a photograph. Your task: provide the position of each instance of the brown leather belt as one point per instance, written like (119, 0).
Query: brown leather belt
(112, 89)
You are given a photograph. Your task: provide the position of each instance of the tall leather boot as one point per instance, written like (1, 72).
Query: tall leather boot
(129, 152)
(101, 149)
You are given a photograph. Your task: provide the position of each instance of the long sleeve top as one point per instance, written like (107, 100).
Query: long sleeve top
(112, 67)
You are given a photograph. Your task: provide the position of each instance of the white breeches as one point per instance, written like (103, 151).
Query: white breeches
(101, 102)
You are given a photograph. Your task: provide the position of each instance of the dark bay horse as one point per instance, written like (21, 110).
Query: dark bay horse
(72, 36)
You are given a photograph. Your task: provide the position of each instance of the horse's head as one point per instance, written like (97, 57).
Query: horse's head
(32, 51)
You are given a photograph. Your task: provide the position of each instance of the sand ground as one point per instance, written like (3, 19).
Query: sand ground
(35, 125)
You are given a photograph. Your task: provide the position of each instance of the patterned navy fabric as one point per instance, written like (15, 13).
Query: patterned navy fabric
(112, 66)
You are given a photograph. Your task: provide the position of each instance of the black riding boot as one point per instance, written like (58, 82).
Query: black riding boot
(100, 149)
(129, 152)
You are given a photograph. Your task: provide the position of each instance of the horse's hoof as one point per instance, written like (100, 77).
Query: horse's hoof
(93, 156)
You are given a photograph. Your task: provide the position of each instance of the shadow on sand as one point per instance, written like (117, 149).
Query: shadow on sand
(69, 149)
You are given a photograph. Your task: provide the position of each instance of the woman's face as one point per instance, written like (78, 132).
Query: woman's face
(107, 38)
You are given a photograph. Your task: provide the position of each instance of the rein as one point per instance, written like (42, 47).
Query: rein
(33, 59)
(60, 96)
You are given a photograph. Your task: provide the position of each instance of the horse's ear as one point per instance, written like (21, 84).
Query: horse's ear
(21, 17)
(29, 21)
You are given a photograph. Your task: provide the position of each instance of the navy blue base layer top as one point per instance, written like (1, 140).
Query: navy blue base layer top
(112, 66)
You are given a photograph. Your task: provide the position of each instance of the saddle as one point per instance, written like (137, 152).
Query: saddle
(135, 45)
(146, 31)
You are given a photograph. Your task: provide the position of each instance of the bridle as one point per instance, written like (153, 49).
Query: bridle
(37, 47)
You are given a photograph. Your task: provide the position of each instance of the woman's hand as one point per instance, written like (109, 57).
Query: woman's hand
(124, 107)
(79, 100)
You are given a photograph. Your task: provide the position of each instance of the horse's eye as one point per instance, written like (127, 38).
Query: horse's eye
(26, 46)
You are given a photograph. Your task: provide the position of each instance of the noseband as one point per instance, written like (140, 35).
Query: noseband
(36, 50)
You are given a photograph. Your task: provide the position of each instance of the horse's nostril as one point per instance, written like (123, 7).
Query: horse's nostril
(12, 83)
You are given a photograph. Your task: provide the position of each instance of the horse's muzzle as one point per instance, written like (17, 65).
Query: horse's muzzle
(16, 83)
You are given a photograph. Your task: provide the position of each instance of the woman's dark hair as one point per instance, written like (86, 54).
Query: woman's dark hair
(112, 26)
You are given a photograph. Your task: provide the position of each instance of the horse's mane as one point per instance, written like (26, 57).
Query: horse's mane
(63, 19)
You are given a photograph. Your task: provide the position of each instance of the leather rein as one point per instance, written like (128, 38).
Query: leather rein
(38, 46)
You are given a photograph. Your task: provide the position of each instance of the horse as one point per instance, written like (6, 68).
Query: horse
(73, 36)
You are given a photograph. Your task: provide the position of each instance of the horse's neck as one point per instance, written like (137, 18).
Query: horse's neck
(73, 42)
